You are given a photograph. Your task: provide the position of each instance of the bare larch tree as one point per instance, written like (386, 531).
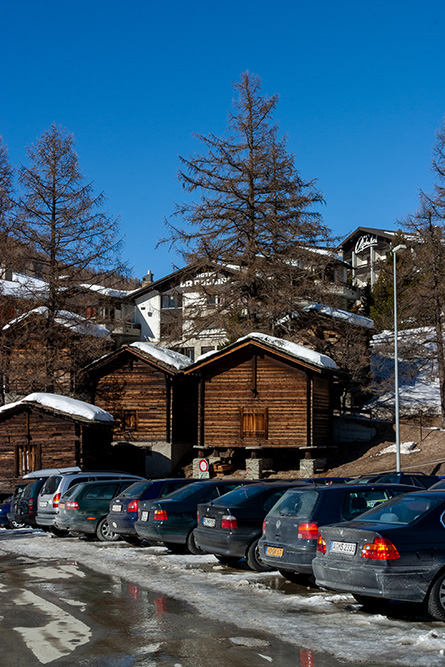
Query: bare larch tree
(255, 217)
(61, 223)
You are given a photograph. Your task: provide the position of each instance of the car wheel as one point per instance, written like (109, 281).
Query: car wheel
(230, 561)
(297, 577)
(192, 547)
(16, 524)
(253, 559)
(436, 599)
(58, 532)
(104, 532)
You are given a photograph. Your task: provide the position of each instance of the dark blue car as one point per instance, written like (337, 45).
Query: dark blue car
(124, 508)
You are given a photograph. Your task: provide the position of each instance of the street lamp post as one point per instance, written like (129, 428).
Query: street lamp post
(396, 359)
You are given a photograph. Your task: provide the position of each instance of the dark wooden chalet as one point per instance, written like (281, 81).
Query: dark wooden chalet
(264, 393)
(51, 431)
(153, 403)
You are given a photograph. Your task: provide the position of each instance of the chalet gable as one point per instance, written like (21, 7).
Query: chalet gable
(168, 361)
(283, 349)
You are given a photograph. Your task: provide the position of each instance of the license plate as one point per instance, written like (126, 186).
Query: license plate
(61, 506)
(208, 521)
(144, 516)
(274, 551)
(116, 508)
(43, 503)
(348, 548)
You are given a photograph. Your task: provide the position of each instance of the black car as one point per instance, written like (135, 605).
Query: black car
(171, 521)
(124, 508)
(392, 552)
(230, 527)
(290, 530)
(24, 506)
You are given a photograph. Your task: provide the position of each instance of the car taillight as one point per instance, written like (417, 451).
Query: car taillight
(72, 505)
(308, 531)
(56, 500)
(321, 545)
(160, 515)
(133, 506)
(229, 522)
(264, 527)
(30, 503)
(380, 549)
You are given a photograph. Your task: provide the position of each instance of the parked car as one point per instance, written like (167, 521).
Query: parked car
(171, 521)
(230, 526)
(124, 508)
(25, 504)
(291, 528)
(6, 521)
(58, 484)
(83, 509)
(392, 552)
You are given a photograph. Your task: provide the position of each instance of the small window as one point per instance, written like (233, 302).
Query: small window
(171, 301)
(130, 420)
(127, 419)
(189, 352)
(207, 348)
(254, 423)
(91, 312)
(27, 459)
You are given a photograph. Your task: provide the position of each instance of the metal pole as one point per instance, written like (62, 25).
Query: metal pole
(396, 361)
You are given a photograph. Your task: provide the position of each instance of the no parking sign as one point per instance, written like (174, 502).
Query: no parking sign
(203, 467)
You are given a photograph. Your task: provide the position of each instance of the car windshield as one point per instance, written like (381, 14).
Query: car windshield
(402, 510)
(238, 496)
(296, 503)
(135, 490)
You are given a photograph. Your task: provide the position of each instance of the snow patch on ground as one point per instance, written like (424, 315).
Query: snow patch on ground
(405, 448)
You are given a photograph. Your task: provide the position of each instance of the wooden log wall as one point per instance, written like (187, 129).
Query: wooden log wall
(135, 386)
(258, 383)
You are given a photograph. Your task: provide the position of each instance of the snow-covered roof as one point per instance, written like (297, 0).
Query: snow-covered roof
(351, 318)
(107, 291)
(292, 349)
(23, 287)
(73, 321)
(63, 404)
(170, 357)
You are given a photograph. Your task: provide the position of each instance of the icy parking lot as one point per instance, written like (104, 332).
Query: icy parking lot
(308, 618)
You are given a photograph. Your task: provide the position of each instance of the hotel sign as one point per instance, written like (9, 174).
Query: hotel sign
(365, 242)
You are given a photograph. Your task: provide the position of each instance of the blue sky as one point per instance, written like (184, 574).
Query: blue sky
(361, 86)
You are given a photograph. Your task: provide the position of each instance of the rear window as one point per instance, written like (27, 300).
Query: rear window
(104, 492)
(170, 487)
(296, 503)
(51, 484)
(238, 496)
(27, 491)
(77, 480)
(136, 490)
(357, 502)
(402, 510)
